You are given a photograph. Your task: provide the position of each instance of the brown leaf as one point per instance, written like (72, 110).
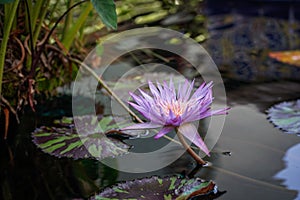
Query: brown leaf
(31, 93)
(6, 115)
(288, 57)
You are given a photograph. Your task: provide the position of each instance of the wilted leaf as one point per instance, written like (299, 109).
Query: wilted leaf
(6, 116)
(288, 57)
(159, 188)
(286, 116)
(86, 140)
(107, 12)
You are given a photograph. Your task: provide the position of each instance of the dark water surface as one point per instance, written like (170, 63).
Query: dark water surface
(258, 156)
(257, 149)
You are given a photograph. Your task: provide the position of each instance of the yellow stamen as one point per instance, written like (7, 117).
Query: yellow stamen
(174, 106)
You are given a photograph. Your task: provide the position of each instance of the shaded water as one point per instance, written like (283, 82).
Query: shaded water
(257, 150)
(263, 164)
(256, 169)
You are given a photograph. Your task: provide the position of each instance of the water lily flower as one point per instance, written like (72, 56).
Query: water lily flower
(167, 109)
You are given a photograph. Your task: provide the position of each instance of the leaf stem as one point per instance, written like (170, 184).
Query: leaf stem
(188, 148)
(39, 24)
(106, 87)
(39, 51)
(70, 34)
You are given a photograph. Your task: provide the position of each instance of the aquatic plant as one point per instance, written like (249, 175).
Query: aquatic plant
(171, 110)
(30, 63)
(172, 187)
(286, 116)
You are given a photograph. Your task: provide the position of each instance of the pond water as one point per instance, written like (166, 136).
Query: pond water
(264, 162)
(261, 166)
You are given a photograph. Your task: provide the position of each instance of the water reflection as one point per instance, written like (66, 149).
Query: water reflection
(257, 149)
(290, 175)
(240, 45)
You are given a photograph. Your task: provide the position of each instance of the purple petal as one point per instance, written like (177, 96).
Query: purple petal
(156, 118)
(202, 90)
(195, 112)
(158, 85)
(223, 111)
(171, 84)
(172, 89)
(189, 90)
(142, 126)
(169, 95)
(163, 131)
(146, 96)
(153, 89)
(173, 119)
(141, 109)
(182, 92)
(136, 98)
(191, 117)
(179, 91)
(214, 112)
(191, 133)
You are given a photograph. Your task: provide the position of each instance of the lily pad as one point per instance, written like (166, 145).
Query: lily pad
(173, 187)
(89, 139)
(286, 116)
(288, 57)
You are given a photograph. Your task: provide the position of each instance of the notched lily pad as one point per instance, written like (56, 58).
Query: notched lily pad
(286, 116)
(167, 188)
(87, 140)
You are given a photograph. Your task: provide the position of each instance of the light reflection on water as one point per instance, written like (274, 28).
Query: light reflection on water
(291, 173)
(257, 151)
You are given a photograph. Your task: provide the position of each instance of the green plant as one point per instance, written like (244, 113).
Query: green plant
(42, 43)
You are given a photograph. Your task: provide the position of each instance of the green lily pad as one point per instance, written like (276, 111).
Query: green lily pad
(89, 139)
(167, 188)
(286, 116)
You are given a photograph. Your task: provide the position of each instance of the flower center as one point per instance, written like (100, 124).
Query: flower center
(174, 106)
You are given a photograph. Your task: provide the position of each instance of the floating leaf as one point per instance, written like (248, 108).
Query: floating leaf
(87, 140)
(107, 12)
(288, 57)
(286, 116)
(160, 188)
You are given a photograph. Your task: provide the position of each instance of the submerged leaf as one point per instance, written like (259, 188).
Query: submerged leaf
(286, 116)
(86, 140)
(288, 57)
(160, 188)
